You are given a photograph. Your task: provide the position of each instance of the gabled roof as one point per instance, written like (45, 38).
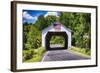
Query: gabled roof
(51, 26)
(66, 28)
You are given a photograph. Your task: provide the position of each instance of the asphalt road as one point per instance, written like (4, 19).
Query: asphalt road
(62, 55)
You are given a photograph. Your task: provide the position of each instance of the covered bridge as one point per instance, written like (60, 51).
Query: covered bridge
(56, 29)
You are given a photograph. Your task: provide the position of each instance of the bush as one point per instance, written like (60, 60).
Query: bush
(27, 46)
(82, 50)
(88, 53)
(33, 55)
(41, 50)
(28, 54)
(36, 58)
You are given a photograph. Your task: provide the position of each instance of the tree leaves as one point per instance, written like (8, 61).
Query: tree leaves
(79, 23)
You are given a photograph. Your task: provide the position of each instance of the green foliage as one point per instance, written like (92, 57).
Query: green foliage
(44, 22)
(36, 58)
(31, 34)
(82, 50)
(41, 50)
(33, 55)
(28, 54)
(51, 19)
(57, 40)
(41, 23)
(80, 24)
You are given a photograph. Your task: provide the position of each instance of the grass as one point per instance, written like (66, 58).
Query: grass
(84, 51)
(33, 55)
(35, 58)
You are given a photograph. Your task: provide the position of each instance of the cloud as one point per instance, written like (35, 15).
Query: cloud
(52, 13)
(27, 17)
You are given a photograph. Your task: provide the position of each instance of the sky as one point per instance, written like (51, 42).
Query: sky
(31, 16)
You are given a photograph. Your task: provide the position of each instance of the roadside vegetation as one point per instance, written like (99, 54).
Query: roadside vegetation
(79, 23)
(33, 55)
(84, 51)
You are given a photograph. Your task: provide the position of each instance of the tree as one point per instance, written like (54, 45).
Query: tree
(30, 35)
(40, 23)
(80, 25)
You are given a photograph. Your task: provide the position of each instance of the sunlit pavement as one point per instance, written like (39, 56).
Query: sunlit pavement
(62, 55)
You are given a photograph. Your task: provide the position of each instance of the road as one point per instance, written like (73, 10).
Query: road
(62, 55)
